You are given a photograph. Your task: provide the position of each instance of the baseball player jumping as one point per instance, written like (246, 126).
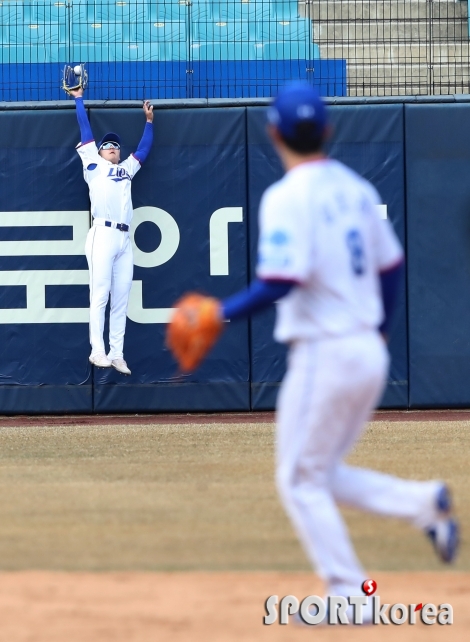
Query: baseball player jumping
(334, 265)
(108, 246)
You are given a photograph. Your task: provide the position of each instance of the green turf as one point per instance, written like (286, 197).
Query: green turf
(194, 497)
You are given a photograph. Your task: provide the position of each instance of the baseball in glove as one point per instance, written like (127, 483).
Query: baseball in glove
(194, 328)
(74, 78)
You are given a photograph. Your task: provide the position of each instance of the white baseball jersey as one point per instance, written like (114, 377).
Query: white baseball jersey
(110, 184)
(319, 227)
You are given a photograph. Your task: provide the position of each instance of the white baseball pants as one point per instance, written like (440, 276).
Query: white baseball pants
(328, 394)
(111, 266)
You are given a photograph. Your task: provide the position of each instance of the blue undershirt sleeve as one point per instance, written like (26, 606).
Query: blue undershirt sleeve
(390, 284)
(145, 144)
(257, 296)
(86, 134)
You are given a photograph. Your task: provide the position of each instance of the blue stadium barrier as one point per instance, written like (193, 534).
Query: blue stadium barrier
(93, 52)
(43, 368)
(287, 10)
(245, 79)
(142, 52)
(82, 12)
(35, 34)
(142, 78)
(108, 10)
(201, 9)
(178, 51)
(438, 228)
(102, 32)
(161, 31)
(249, 11)
(173, 11)
(208, 147)
(150, 78)
(225, 36)
(158, 70)
(16, 77)
(15, 57)
(222, 51)
(206, 158)
(370, 139)
(114, 11)
(47, 13)
(228, 32)
(11, 13)
(286, 31)
(288, 51)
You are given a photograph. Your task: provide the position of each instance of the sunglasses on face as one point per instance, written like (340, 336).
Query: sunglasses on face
(110, 145)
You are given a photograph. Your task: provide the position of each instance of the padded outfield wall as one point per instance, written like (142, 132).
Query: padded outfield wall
(195, 227)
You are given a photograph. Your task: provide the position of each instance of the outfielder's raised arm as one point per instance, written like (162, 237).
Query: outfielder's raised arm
(86, 135)
(146, 141)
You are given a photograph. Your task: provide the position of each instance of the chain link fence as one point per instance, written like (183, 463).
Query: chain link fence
(396, 47)
(234, 48)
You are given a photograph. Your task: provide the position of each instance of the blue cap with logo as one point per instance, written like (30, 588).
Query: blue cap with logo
(110, 137)
(297, 103)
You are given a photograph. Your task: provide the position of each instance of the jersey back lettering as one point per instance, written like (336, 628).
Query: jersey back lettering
(319, 227)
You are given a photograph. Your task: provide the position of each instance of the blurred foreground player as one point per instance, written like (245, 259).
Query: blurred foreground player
(108, 246)
(334, 265)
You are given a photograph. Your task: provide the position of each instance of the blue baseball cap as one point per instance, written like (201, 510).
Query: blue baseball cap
(297, 103)
(110, 137)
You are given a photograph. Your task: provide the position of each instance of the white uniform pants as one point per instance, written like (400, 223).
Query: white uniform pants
(329, 392)
(111, 266)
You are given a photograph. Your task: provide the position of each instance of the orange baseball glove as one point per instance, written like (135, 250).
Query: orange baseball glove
(193, 329)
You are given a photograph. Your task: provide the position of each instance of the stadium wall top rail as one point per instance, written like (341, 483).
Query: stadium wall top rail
(192, 103)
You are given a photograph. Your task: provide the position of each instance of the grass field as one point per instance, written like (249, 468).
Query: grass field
(139, 501)
(195, 497)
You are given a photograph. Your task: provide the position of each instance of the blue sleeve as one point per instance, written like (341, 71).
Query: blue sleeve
(145, 144)
(390, 281)
(257, 296)
(86, 134)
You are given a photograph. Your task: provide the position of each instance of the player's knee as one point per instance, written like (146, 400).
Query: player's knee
(99, 299)
(308, 479)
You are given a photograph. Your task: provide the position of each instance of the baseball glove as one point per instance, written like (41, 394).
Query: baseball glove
(74, 78)
(194, 328)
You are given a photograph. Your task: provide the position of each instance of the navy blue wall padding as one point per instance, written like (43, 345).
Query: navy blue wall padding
(43, 367)
(197, 165)
(43, 400)
(209, 396)
(267, 357)
(438, 207)
(203, 160)
(369, 139)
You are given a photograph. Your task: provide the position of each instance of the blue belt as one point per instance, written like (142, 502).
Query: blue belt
(119, 226)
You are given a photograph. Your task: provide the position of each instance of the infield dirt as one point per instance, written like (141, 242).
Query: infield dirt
(174, 532)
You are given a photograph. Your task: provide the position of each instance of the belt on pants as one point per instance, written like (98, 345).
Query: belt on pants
(118, 226)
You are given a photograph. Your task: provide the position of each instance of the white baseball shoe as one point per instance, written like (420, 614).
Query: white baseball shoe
(121, 366)
(100, 360)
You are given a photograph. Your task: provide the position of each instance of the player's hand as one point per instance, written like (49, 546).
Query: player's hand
(148, 110)
(76, 93)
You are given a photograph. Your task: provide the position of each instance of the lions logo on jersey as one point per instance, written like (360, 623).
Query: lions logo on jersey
(118, 174)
